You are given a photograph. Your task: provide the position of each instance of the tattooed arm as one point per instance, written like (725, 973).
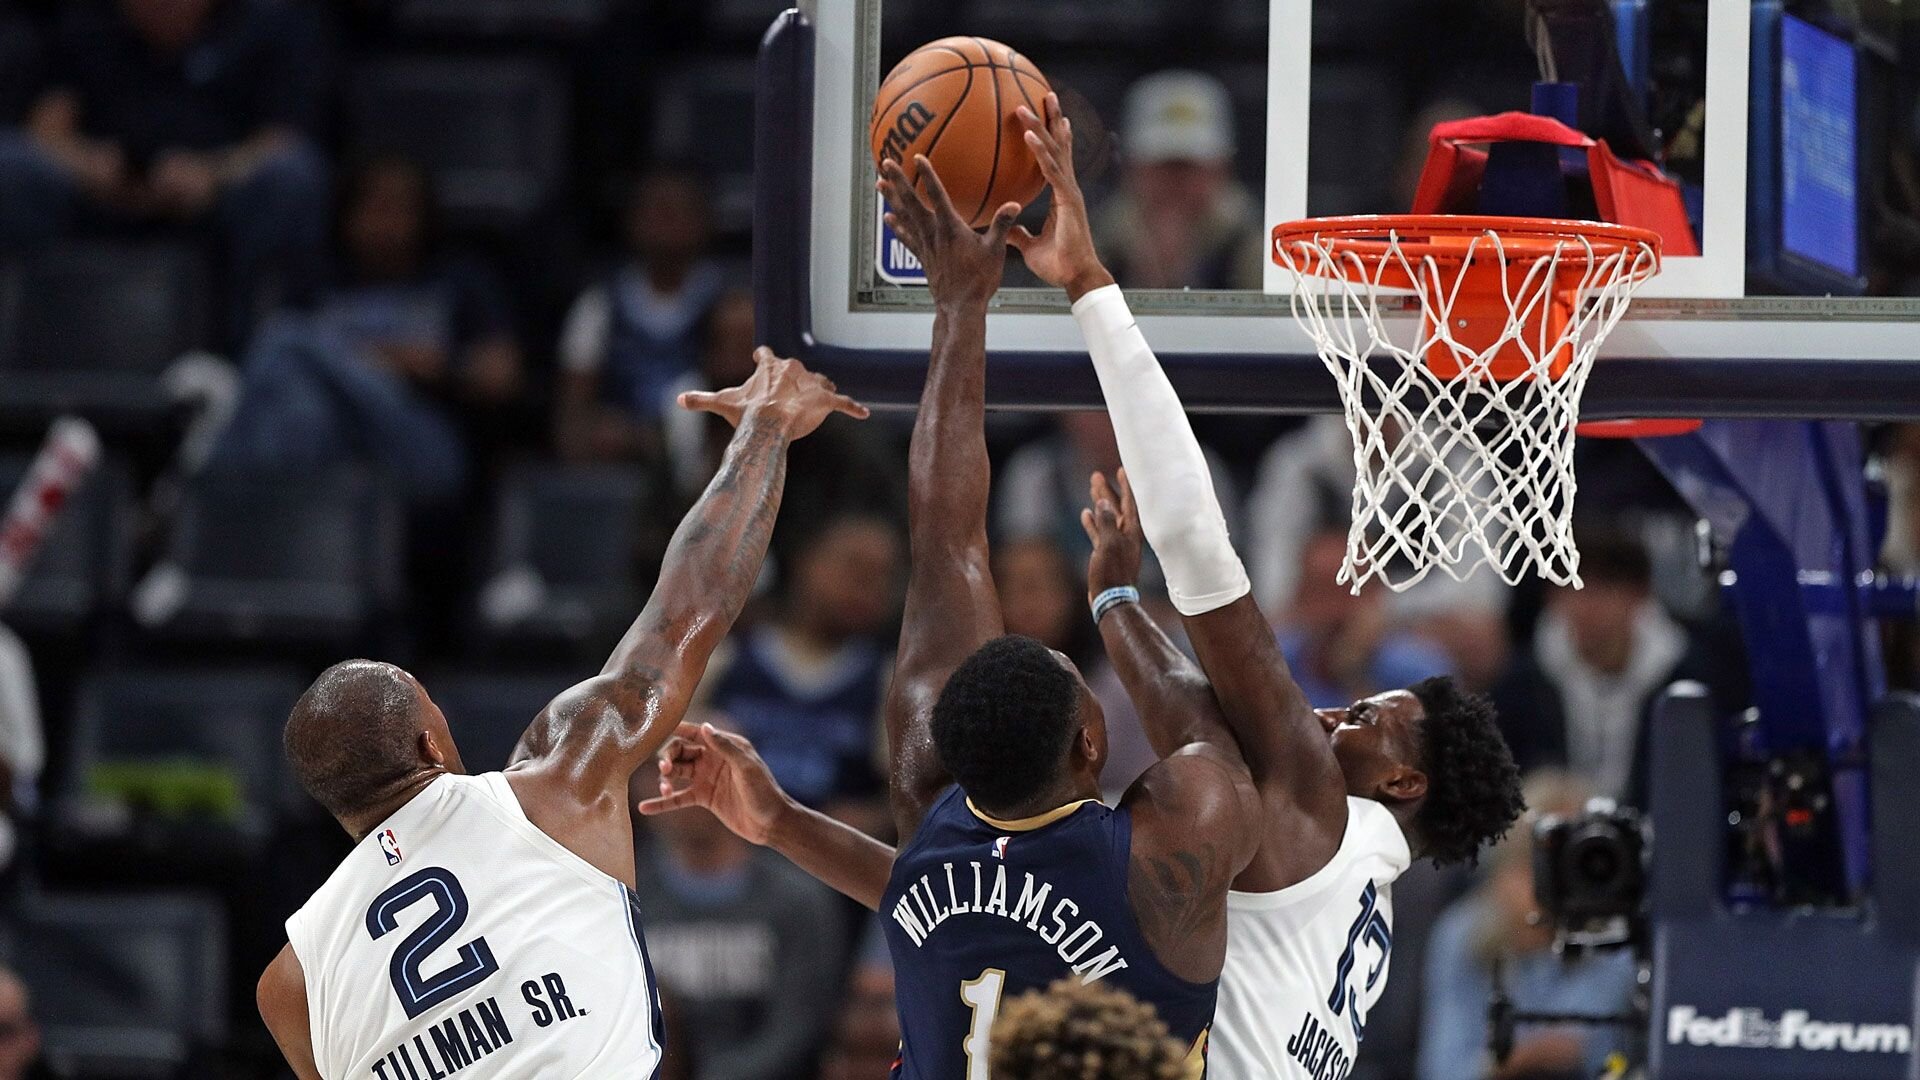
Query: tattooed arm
(572, 768)
(951, 607)
(1195, 827)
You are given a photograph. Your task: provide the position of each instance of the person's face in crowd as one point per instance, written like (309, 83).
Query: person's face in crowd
(844, 583)
(1601, 619)
(167, 25)
(1182, 191)
(667, 220)
(386, 222)
(728, 357)
(1037, 595)
(1475, 640)
(19, 1036)
(1321, 605)
(1091, 433)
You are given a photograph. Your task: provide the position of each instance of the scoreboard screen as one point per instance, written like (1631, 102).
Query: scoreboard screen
(1819, 144)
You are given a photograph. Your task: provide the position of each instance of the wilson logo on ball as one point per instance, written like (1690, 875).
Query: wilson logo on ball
(906, 127)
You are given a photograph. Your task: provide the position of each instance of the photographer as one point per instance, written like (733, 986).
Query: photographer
(1498, 921)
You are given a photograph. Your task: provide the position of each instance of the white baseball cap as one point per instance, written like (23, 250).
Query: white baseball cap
(1178, 116)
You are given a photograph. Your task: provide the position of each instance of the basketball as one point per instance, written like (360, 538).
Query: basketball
(953, 100)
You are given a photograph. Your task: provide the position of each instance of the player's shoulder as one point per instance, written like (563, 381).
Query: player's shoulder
(1201, 779)
(1199, 797)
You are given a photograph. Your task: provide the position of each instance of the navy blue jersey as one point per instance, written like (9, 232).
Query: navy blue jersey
(978, 910)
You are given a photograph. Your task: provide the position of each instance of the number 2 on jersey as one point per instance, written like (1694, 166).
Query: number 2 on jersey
(475, 960)
(982, 995)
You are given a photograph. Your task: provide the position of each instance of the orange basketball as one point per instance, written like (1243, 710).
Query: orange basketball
(953, 100)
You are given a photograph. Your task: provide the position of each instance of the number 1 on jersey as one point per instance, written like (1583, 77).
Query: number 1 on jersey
(982, 995)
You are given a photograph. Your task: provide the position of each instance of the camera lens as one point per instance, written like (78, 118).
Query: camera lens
(1598, 860)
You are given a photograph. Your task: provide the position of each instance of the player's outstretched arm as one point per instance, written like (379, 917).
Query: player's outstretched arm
(721, 772)
(1285, 745)
(1175, 702)
(574, 762)
(951, 607)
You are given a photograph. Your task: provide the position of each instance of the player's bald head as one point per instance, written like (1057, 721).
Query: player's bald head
(354, 736)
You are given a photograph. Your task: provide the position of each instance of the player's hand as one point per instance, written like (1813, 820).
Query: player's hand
(1063, 254)
(962, 266)
(721, 772)
(1114, 528)
(784, 390)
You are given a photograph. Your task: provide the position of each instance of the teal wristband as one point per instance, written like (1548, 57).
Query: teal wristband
(1113, 598)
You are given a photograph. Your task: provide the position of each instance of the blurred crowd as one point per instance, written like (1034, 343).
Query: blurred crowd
(444, 433)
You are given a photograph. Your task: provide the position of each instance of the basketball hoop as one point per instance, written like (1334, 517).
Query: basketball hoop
(1463, 423)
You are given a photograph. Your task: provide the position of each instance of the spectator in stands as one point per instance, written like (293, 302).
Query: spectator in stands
(1582, 698)
(19, 1035)
(866, 1034)
(22, 746)
(631, 338)
(1043, 596)
(1085, 1031)
(196, 111)
(695, 441)
(401, 346)
(750, 948)
(1344, 647)
(1043, 485)
(806, 685)
(1498, 922)
(1182, 219)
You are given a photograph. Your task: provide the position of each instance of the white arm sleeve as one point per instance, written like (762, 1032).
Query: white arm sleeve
(1179, 512)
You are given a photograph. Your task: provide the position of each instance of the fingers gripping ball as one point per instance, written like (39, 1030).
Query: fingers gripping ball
(954, 100)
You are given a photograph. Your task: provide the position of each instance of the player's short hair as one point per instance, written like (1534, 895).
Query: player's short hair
(1004, 721)
(351, 736)
(1083, 1031)
(1473, 786)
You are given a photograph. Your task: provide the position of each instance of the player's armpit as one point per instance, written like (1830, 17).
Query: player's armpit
(1195, 827)
(282, 998)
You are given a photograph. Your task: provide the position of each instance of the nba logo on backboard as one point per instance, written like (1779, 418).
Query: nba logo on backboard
(390, 847)
(893, 262)
(1000, 847)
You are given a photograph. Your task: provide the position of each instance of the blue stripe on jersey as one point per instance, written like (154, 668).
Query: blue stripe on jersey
(974, 904)
(657, 1025)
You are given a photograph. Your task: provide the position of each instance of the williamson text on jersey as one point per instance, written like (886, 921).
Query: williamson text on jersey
(931, 901)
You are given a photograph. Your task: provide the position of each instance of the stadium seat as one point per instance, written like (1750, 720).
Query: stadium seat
(89, 326)
(487, 711)
(564, 540)
(178, 763)
(293, 560)
(503, 20)
(83, 566)
(705, 120)
(492, 130)
(124, 985)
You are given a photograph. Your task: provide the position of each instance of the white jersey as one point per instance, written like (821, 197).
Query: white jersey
(1306, 963)
(458, 940)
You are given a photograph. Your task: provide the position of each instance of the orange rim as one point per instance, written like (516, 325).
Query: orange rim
(1636, 429)
(1438, 236)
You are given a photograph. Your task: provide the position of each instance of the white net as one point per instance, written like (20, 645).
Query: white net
(1463, 449)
